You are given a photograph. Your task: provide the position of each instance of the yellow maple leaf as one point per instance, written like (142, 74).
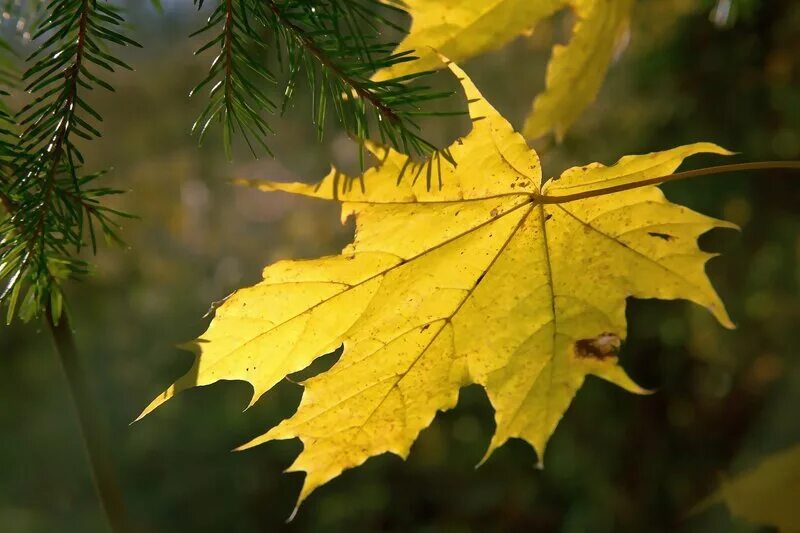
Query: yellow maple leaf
(461, 30)
(576, 70)
(475, 273)
(766, 494)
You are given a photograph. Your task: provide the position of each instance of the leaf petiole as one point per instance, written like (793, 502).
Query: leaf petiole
(708, 171)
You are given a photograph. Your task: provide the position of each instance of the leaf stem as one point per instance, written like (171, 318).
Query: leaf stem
(97, 450)
(708, 171)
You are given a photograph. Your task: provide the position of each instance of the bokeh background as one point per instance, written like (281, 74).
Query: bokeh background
(693, 70)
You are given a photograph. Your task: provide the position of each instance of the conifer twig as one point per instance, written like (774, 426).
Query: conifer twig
(336, 44)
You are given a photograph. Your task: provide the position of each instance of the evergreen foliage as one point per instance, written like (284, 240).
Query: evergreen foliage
(335, 44)
(52, 208)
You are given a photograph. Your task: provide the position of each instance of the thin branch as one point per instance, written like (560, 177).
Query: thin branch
(97, 449)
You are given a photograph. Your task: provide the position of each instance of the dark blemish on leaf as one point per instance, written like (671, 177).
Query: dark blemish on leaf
(426, 326)
(665, 236)
(601, 347)
(460, 140)
(548, 217)
(480, 278)
(494, 212)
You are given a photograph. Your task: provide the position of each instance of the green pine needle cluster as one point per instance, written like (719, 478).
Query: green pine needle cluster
(335, 44)
(52, 207)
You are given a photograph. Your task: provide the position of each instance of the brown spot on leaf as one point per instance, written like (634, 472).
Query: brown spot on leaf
(601, 347)
(665, 236)
(426, 326)
(494, 212)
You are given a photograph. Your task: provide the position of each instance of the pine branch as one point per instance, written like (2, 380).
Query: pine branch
(234, 99)
(336, 44)
(50, 203)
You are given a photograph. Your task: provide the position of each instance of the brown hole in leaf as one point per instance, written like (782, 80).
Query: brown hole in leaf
(665, 236)
(601, 347)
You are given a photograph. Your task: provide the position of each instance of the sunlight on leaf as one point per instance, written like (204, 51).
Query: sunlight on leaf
(462, 30)
(457, 275)
(576, 70)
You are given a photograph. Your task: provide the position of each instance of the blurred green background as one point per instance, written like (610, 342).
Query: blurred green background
(616, 463)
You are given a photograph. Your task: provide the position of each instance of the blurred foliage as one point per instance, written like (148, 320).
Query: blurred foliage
(766, 493)
(724, 399)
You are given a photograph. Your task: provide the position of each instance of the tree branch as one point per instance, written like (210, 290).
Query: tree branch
(97, 449)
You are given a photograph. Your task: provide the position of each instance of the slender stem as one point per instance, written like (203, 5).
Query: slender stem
(97, 449)
(55, 150)
(708, 171)
(228, 48)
